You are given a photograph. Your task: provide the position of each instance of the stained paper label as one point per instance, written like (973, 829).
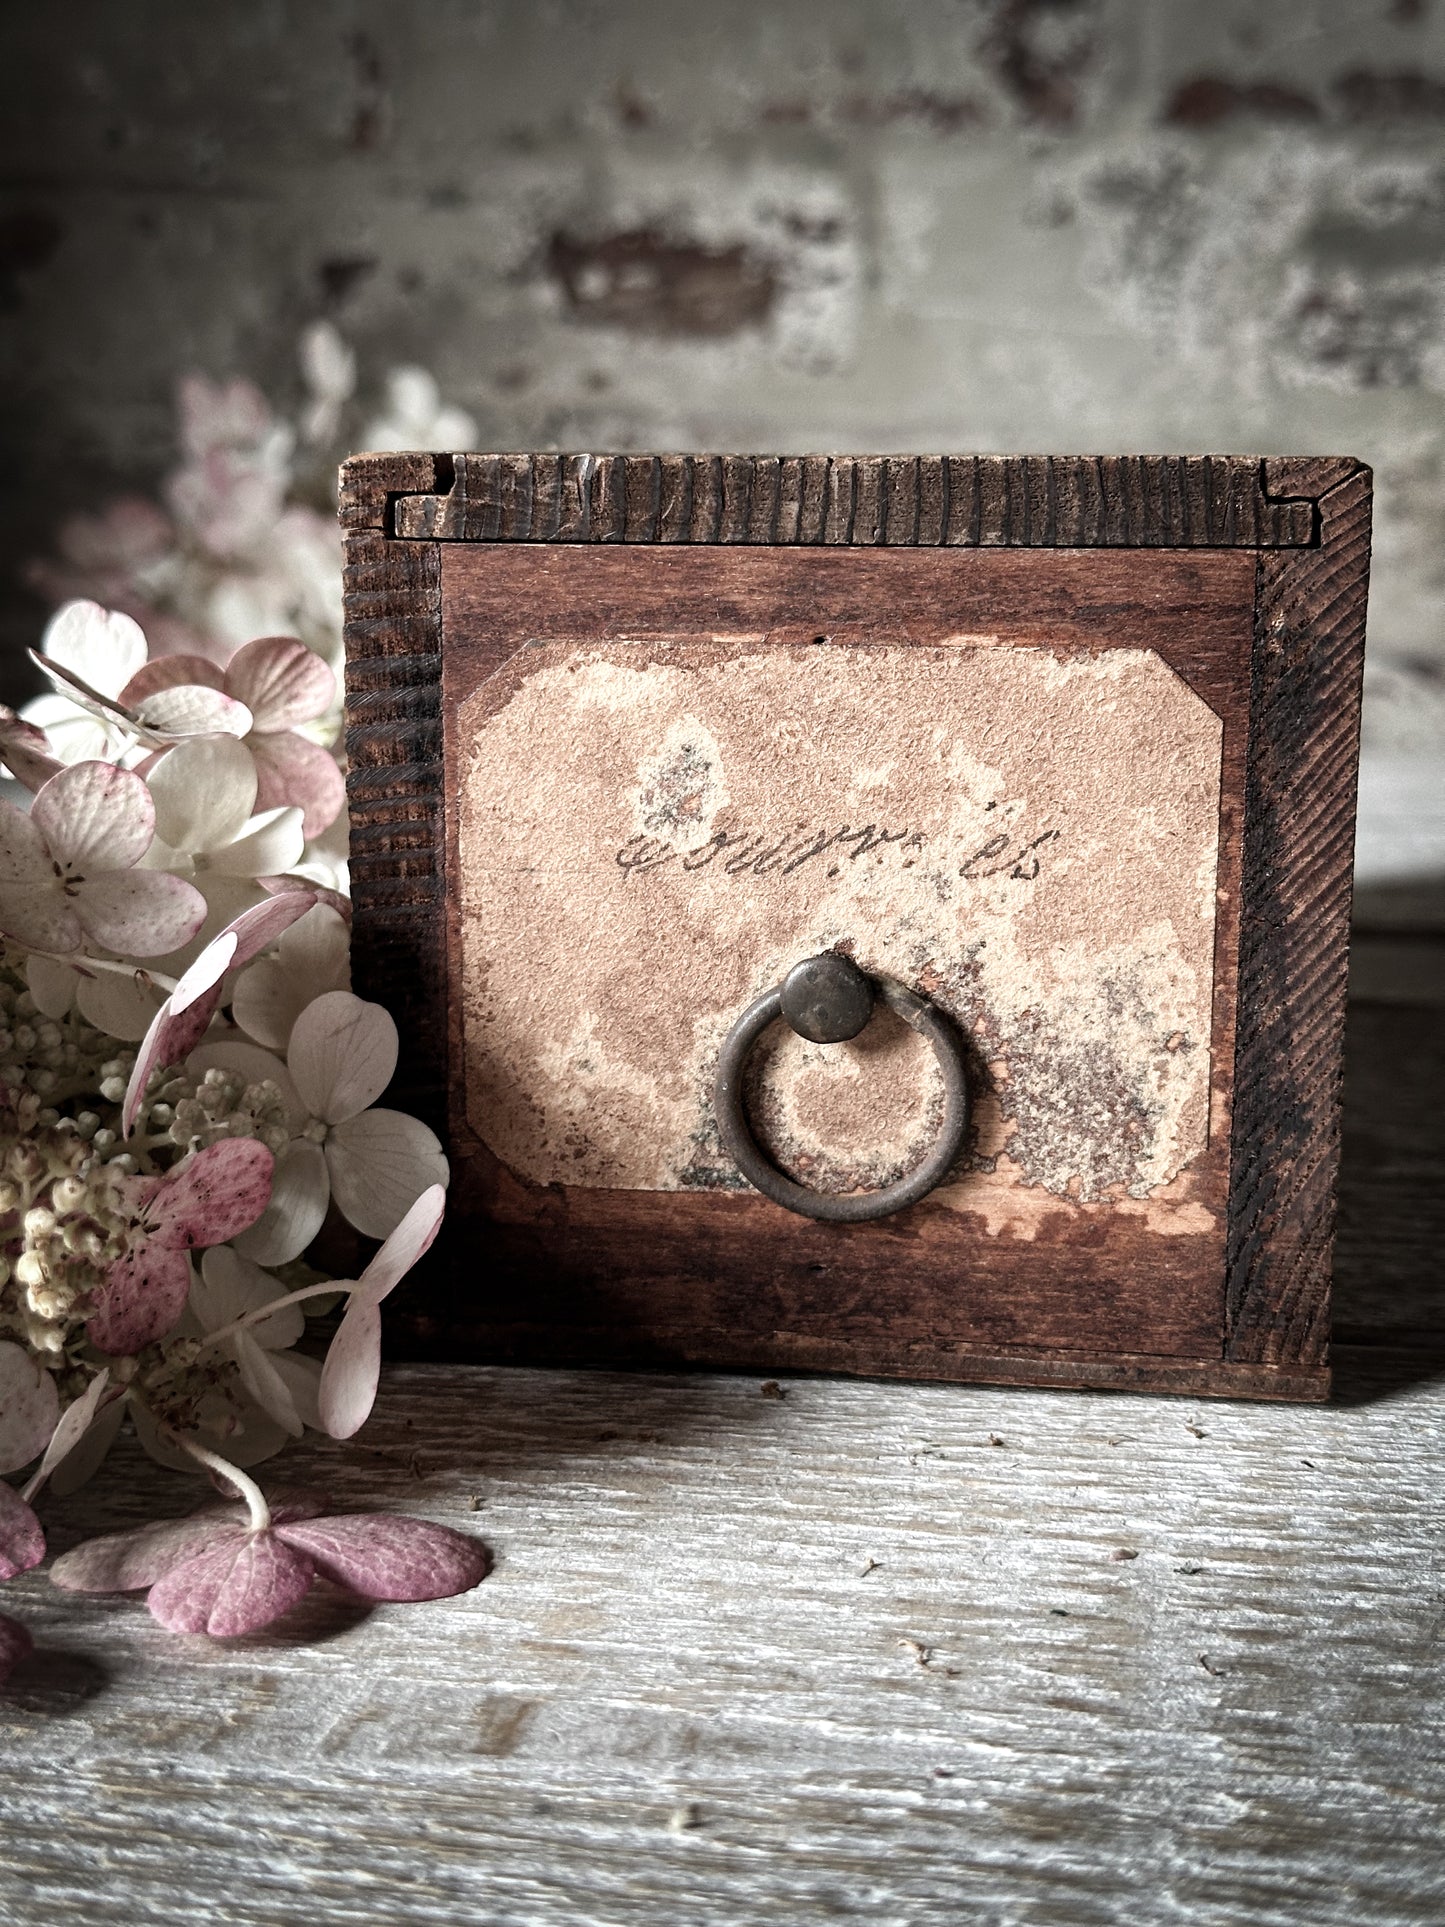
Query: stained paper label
(649, 836)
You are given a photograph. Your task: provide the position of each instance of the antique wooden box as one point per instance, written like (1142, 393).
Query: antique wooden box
(1055, 755)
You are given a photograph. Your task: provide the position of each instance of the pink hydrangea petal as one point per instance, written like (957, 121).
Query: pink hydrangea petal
(143, 1296)
(212, 1194)
(194, 709)
(284, 886)
(126, 1561)
(204, 1200)
(342, 1054)
(169, 672)
(410, 1241)
(94, 816)
(281, 682)
(382, 1556)
(291, 770)
(29, 1407)
(182, 1020)
(233, 1590)
(15, 1645)
(258, 928)
(22, 1540)
(352, 1369)
(140, 913)
(25, 750)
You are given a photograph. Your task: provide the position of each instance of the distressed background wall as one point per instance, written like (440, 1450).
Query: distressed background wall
(938, 224)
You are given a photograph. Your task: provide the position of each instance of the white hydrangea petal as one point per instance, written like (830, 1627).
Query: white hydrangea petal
(140, 913)
(75, 735)
(313, 957)
(204, 791)
(40, 918)
(265, 1384)
(102, 645)
(23, 855)
(195, 709)
(53, 985)
(302, 1376)
(342, 1054)
(300, 1193)
(258, 1436)
(94, 817)
(270, 844)
(123, 1006)
(230, 1285)
(380, 1163)
(88, 1457)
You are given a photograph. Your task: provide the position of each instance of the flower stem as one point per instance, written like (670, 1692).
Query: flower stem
(328, 1288)
(233, 1475)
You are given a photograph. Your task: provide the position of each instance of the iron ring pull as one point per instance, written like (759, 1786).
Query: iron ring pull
(828, 999)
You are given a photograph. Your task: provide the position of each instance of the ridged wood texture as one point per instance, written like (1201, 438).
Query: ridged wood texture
(1299, 820)
(900, 501)
(393, 747)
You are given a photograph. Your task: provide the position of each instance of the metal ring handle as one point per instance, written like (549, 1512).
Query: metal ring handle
(828, 1006)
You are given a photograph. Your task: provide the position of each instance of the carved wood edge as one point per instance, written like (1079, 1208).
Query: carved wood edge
(1300, 782)
(892, 501)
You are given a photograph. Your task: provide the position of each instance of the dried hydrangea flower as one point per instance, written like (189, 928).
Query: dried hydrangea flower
(206, 823)
(283, 1383)
(68, 869)
(204, 1200)
(281, 685)
(373, 1162)
(313, 957)
(104, 649)
(228, 1571)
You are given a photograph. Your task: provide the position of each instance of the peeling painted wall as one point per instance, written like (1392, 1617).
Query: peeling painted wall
(940, 224)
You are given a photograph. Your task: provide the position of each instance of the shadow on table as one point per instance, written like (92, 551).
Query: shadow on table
(1389, 1296)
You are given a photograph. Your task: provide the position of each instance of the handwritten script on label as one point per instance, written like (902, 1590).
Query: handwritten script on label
(747, 852)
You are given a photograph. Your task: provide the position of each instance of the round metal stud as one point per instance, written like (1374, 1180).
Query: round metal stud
(827, 998)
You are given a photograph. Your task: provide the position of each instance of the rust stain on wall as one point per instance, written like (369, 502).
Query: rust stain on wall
(651, 834)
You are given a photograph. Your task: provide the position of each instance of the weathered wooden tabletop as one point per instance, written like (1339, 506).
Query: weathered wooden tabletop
(860, 1651)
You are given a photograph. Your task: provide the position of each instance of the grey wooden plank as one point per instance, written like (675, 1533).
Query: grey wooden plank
(688, 1692)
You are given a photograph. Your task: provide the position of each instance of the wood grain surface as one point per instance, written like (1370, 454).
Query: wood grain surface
(859, 1652)
(1044, 501)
